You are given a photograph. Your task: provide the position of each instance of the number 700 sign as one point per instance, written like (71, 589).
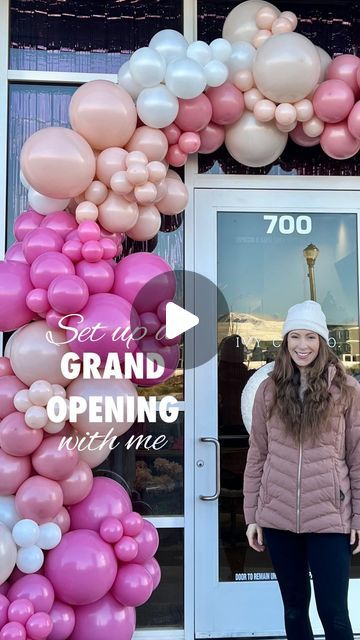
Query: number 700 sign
(289, 224)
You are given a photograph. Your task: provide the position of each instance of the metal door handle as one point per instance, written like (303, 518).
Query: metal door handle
(216, 442)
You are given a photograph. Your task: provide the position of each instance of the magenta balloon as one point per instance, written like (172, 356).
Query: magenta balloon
(38, 589)
(13, 631)
(40, 241)
(169, 353)
(333, 101)
(227, 103)
(110, 248)
(92, 251)
(337, 142)
(9, 386)
(4, 605)
(15, 253)
(133, 523)
(193, 114)
(354, 121)
(211, 138)
(111, 311)
(39, 498)
(82, 568)
(133, 585)
(89, 230)
(345, 67)
(63, 520)
(106, 619)
(148, 541)
(151, 322)
(111, 530)
(99, 276)
(52, 462)
(106, 499)
(299, 136)
(126, 549)
(63, 619)
(72, 250)
(145, 280)
(77, 485)
(26, 222)
(20, 610)
(39, 626)
(68, 294)
(153, 567)
(16, 438)
(37, 301)
(15, 284)
(14, 470)
(48, 266)
(61, 221)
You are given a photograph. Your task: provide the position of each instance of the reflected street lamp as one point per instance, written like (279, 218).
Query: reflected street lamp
(311, 252)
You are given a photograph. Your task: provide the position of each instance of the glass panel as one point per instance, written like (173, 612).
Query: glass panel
(269, 249)
(85, 36)
(334, 26)
(154, 477)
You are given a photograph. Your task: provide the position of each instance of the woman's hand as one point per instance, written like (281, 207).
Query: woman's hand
(355, 539)
(254, 534)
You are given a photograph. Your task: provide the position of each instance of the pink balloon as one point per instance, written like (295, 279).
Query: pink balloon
(72, 250)
(106, 499)
(9, 386)
(96, 192)
(39, 498)
(98, 276)
(92, 251)
(35, 588)
(175, 156)
(15, 284)
(211, 138)
(52, 462)
(4, 605)
(15, 253)
(58, 162)
(111, 530)
(13, 631)
(40, 241)
(133, 523)
(5, 370)
(133, 585)
(62, 519)
(345, 67)
(333, 101)
(299, 136)
(68, 294)
(109, 162)
(109, 248)
(89, 230)
(37, 301)
(13, 472)
(337, 142)
(189, 142)
(27, 221)
(153, 567)
(20, 610)
(48, 266)
(63, 619)
(39, 626)
(150, 141)
(227, 103)
(61, 221)
(16, 438)
(126, 549)
(151, 322)
(194, 114)
(82, 568)
(176, 197)
(173, 132)
(170, 355)
(106, 619)
(117, 214)
(77, 485)
(148, 541)
(53, 318)
(354, 121)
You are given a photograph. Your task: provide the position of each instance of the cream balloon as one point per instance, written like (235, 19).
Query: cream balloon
(285, 114)
(313, 127)
(254, 144)
(8, 553)
(265, 17)
(243, 80)
(264, 110)
(148, 224)
(304, 110)
(281, 25)
(251, 98)
(260, 37)
(325, 60)
(240, 24)
(292, 17)
(286, 67)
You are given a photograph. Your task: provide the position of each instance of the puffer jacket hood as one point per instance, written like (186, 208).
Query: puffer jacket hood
(301, 487)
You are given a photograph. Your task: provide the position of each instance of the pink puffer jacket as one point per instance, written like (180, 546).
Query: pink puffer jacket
(301, 487)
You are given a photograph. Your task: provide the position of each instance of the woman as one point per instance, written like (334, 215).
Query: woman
(302, 476)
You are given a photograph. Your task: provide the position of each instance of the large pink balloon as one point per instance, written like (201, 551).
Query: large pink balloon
(16, 438)
(227, 103)
(14, 470)
(107, 498)
(39, 499)
(9, 386)
(15, 284)
(333, 101)
(63, 619)
(133, 585)
(82, 568)
(35, 588)
(346, 68)
(337, 142)
(103, 113)
(78, 484)
(68, 294)
(106, 619)
(98, 276)
(58, 162)
(48, 266)
(354, 121)
(40, 241)
(53, 462)
(27, 221)
(61, 221)
(152, 142)
(169, 353)
(299, 136)
(194, 114)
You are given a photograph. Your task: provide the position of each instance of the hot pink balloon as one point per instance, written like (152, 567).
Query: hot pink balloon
(39, 626)
(40, 241)
(211, 138)
(337, 142)
(227, 103)
(299, 136)
(20, 610)
(111, 530)
(110, 248)
(61, 221)
(106, 499)
(153, 567)
(126, 549)
(48, 266)
(63, 619)
(4, 605)
(35, 588)
(345, 67)
(53, 462)
(106, 618)
(194, 114)
(9, 386)
(13, 631)
(15, 284)
(37, 301)
(14, 470)
(68, 294)
(15, 253)
(133, 523)
(92, 251)
(133, 585)
(26, 222)
(16, 438)
(170, 355)
(39, 498)
(354, 121)
(72, 250)
(62, 519)
(82, 568)
(333, 101)
(148, 541)
(98, 276)
(77, 485)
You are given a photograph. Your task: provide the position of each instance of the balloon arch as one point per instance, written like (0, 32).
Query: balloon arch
(91, 188)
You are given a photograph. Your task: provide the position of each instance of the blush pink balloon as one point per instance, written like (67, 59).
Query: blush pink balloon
(39, 626)
(39, 498)
(37, 301)
(108, 162)
(106, 499)
(77, 485)
(333, 101)
(345, 67)
(20, 610)
(96, 192)
(27, 221)
(189, 142)
(194, 114)
(170, 355)
(5, 368)
(36, 588)
(176, 198)
(98, 276)
(175, 157)
(68, 294)
(15, 253)
(120, 183)
(153, 567)
(53, 462)
(111, 530)
(106, 618)
(152, 142)
(62, 519)
(9, 386)
(117, 214)
(173, 132)
(148, 541)
(63, 619)
(354, 121)
(227, 103)
(15, 284)
(48, 266)
(299, 136)
(61, 221)
(337, 142)
(16, 438)
(14, 470)
(133, 585)
(126, 549)
(211, 138)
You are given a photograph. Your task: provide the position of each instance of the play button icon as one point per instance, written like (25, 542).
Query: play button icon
(178, 320)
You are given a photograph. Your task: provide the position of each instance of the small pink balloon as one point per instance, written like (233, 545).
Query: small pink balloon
(63, 619)
(260, 37)
(354, 121)
(157, 171)
(9, 387)
(133, 585)
(111, 530)
(20, 610)
(37, 301)
(172, 133)
(338, 143)
(61, 221)
(15, 253)
(153, 567)
(136, 157)
(285, 114)
(251, 97)
(151, 322)
(265, 16)
(27, 221)
(193, 114)
(14, 470)
(68, 294)
(137, 174)
(109, 247)
(13, 631)
(39, 626)
(53, 318)
(5, 367)
(62, 519)
(243, 79)
(89, 230)
(133, 523)
(211, 138)
(98, 276)
(145, 194)
(148, 541)
(77, 485)
(52, 462)
(86, 211)
(120, 183)
(345, 67)
(96, 192)
(227, 103)
(40, 241)
(48, 266)
(264, 110)
(281, 25)
(35, 588)
(333, 101)
(72, 250)
(109, 162)
(304, 110)
(299, 137)
(39, 498)
(313, 127)
(92, 251)
(16, 438)
(175, 157)
(189, 142)
(126, 549)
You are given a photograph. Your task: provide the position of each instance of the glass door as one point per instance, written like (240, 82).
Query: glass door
(265, 250)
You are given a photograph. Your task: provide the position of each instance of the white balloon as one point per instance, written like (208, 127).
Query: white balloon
(157, 107)
(50, 535)
(147, 67)
(44, 205)
(127, 82)
(23, 180)
(170, 44)
(30, 559)
(200, 52)
(221, 49)
(325, 60)
(8, 514)
(54, 427)
(216, 73)
(26, 533)
(249, 393)
(241, 58)
(185, 78)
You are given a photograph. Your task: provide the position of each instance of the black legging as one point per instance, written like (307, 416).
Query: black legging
(327, 555)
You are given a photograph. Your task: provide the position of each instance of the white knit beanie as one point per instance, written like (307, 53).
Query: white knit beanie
(306, 315)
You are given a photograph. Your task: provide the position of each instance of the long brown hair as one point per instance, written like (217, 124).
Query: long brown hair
(307, 417)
